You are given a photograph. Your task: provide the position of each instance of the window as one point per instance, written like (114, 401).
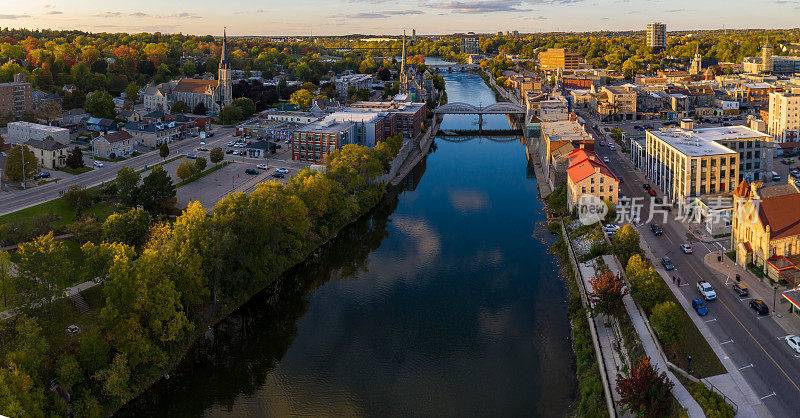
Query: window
(583, 190)
(592, 190)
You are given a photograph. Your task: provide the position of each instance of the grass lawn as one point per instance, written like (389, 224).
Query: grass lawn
(81, 170)
(61, 208)
(202, 174)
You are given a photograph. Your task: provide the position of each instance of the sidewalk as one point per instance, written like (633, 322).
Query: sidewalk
(652, 347)
(759, 289)
(74, 290)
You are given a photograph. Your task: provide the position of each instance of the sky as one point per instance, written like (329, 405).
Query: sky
(391, 17)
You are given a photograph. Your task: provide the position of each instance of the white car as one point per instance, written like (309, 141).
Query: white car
(262, 166)
(231, 143)
(202, 142)
(606, 160)
(706, 290)
(686, 248)
(636, 219)
(794, 342)
(612, 147)
(282, 170)
(98, 164)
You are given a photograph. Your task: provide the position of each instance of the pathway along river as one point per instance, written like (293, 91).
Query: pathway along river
(444, 301)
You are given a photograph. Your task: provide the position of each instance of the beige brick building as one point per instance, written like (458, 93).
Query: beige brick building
(49, 153)
(117, 143)
(587, 175)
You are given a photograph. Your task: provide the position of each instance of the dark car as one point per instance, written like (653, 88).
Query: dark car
(741, 289)
(191, 156)
(657, 230)
(230, 151)
(651, 192)
(646, 186)
(278, 175)
(699, 306)
(209, 134)
(759, 306)
(42, 175)
(251, 171)
(667, 263)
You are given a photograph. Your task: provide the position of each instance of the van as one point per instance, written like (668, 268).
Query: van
(776, 176)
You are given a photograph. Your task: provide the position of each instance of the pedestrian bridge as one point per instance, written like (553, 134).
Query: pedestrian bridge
(468, 138)
(501, 108)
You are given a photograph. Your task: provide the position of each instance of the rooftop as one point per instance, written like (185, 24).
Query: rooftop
(45, 144)
(30, 125)
(563, 130)
(326, 126)
(705, 141)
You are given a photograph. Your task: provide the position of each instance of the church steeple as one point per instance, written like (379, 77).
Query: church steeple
(403, 74)
(223, 58)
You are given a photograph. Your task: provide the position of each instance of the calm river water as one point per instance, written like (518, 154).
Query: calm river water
(444, 301)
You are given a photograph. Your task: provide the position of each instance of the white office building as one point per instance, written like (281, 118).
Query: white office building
(23, 131)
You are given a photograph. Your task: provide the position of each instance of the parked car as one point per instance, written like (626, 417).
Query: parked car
(231, 143)
(191, 156)
(794, 342)
(98, 164)
(202, 142)
(610, 227)
(636, 219)
(657, 230)
(667, 263)
(795, 173)
(741, 289)
(262, 166)
(612, 147)
(602, 143)
(646, 186)
(651, 192)
(759, 306)
(42, 176)
(278, 175)
(686, 248)
(230, 151)
(282, 170)
(209, 134)
(699, 306)
(606, 160)
(251, 171)
(706, 290)
(279, 146)
(797, 183)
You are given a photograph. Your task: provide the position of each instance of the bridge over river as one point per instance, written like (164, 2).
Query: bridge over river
(515, 113)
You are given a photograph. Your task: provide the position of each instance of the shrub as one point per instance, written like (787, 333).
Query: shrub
(712, 403)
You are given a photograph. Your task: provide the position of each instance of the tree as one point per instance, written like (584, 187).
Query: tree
(200, 109)
(45, 264)
(85, 229)
(606, 295)
(78, 198)
(189, 69)
(302, 99)
(131, 227)
(16, 169)
(50, 110)
(100, 105)
(8, 280)
(93, 351)
(75, 159)
(646, 284)
(19, 393)
(644, 391)
(625, 243)
(326, 200)
(116, 380)
(127, 185)
(29, 349)
(157, 194)
(163, 150)
(69, 372)
(132, 92)
(216, 155)
(230, 115)
(184, 170)
(200, 164)
(246, 105)
(667, 320)
(179, 107)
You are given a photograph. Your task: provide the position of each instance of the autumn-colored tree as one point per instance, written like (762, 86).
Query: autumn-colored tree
(46, 265)
(647, 286)
(606, 294)
(216, 155)
(667, 320)
(184, 170)
(8, 280)
(644, 391)
(131, 227)
(302, 99)
(625, 243)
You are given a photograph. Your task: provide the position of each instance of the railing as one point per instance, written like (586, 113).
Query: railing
(713, 388)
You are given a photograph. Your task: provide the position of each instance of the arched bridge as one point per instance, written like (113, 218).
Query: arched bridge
(501, 108)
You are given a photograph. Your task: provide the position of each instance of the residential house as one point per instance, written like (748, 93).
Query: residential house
(50, 154)
(113, 144)
(152, 134)
(100, 124)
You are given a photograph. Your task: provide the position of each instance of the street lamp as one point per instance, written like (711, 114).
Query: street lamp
(774, 293)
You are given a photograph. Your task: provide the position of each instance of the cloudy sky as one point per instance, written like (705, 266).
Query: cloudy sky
(336, 17)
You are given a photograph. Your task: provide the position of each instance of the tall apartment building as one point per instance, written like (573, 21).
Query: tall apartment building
(784, 116)
(16, 97)
(657, 35)
(555, 58)
(469, 44)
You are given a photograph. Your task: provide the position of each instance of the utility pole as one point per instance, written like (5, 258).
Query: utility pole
(22, 149)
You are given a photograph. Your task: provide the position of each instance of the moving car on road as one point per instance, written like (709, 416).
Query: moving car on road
(98, 164)
(282, 170)
(251, 171)
(794, 342)
(606, 160)
(741, 289)
(699, 306)
(657, 231)
(686, 248)
(278, 175)
(667, 263)
(759, 306)
(191, 156)
(651, 192)
(262, 166)
(706, 290)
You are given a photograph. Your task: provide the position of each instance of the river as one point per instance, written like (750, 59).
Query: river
(443, 301)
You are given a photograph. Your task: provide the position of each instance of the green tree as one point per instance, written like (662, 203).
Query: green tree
(302, 99)
(93, 351)
(131, 227)
(625, 243)
(179, 107)
(184, 170)
(230, 115)
(647, 286)
(100, 105)
(85, 228)
(132, 92)
(78, 198)
(216, 155)
(8, 280)
(29, 349)
(667, 320)
(163, 150)
(157, 194)
(16, 169)
(116, 380)
(328, 205)
(189, 69)
(46, 265)
(128, 185)
(75, 159)
(49, 110)
(199, 109)
(20, 396)
(247, 106)
(69, 372)
(200, 164)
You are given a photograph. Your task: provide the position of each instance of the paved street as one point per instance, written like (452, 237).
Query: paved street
(751, 344)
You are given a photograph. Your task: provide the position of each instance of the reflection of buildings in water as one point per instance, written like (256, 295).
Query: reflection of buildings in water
(413, 178)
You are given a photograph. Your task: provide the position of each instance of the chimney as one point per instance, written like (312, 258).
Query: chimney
(687, 124)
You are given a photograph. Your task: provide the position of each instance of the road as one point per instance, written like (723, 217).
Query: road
(40, 194)
(753, 343)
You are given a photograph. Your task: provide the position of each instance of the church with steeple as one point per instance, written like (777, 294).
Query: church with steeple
(213, 94)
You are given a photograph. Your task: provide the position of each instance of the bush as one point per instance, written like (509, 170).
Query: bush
(712, 403)
(26, 229)
(78, 198)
